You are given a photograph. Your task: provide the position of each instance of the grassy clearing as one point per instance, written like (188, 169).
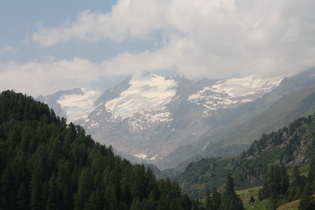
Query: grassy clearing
(245, 196)
(247, 193)
(258, 205)
(293, 205)
(262, 205)
(290, 206)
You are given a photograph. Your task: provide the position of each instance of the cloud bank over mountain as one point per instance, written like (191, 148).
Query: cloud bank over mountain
(213, 39)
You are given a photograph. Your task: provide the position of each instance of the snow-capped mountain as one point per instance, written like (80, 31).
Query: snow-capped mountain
(233, 92)
(74, 105)
(147, 96)
(149, 116)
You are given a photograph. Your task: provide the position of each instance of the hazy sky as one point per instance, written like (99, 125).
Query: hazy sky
(46, 46)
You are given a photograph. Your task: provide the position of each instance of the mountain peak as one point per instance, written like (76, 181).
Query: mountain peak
(177, 77)
(146, 74)
(146, 92)
(73, 104)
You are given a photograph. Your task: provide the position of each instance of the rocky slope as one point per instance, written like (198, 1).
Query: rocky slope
(292, 99)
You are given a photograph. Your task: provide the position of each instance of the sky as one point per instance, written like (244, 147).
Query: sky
(47, 46)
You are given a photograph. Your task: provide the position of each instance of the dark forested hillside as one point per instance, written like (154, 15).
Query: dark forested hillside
(46, 163)
(293, 145)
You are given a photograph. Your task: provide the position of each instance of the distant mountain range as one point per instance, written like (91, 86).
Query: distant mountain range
(167, 120)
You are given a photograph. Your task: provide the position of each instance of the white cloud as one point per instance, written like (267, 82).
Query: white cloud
(215, 38)
(48, 76)
(135, 18)
(8, 49)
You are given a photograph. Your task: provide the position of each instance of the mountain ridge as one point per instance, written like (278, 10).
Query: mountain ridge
(292, 99)
(187, 114)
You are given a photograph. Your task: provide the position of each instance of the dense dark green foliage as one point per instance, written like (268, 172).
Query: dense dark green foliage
(297, 184)
(229, 199)
(226, 201)
(213, 199)
(277, 184)
(208, 172)
(279, 190)
(47, 164)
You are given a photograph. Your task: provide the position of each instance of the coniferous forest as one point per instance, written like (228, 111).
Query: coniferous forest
(46, 163)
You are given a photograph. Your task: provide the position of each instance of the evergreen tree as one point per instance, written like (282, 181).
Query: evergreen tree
(229, 200)
(52, 193)
(22, 197)
(297, 184)
(215, 199)
(272, 204)
(311, 176)
(284, 180)
(260, 195)
(208, 199)
(277, 184)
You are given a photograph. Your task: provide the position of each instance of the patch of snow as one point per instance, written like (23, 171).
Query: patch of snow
(144, 156)
(79, 106)
(153, 158)
(94, 125)
(205, 146)
(146, 93)
(137, 124)
(99, 112)
(233, 92)
(143, 120)
(238, 87)
(141, 155)
(157, 117)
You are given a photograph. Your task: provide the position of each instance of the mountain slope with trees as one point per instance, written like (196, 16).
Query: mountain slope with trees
(46, 163)
(291, 146)
(279, 190)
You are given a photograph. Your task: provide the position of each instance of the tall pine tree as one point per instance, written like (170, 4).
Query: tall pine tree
(229, 200)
